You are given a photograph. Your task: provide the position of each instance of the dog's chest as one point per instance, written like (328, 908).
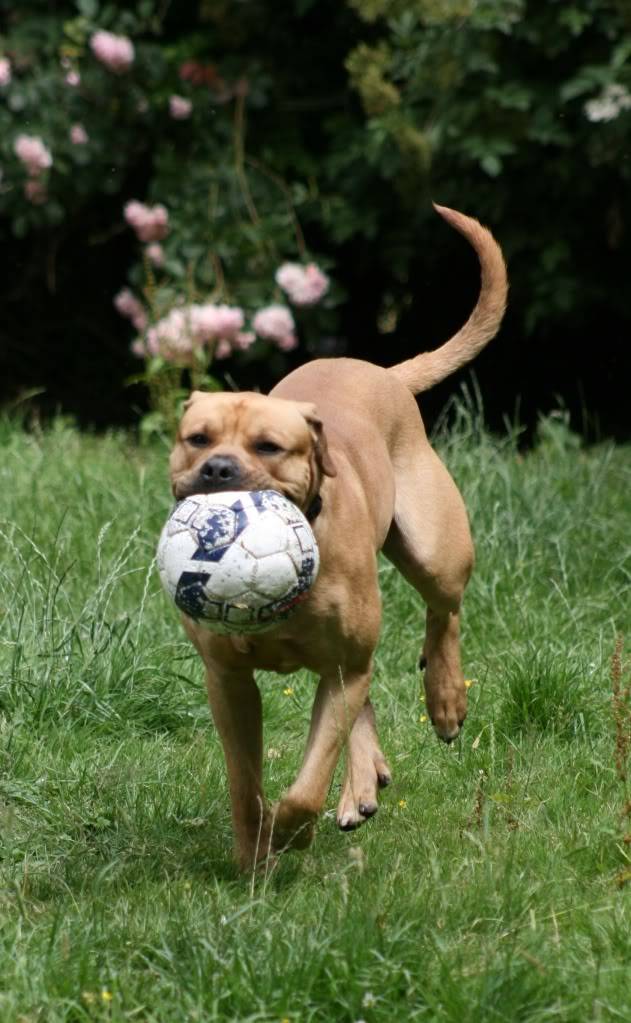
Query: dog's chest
(282, 652)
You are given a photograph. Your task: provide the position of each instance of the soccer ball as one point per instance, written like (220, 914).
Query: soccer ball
(237, 561)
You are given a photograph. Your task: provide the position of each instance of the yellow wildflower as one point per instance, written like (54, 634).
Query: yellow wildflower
(288, 691)
(402, 804)
(106, 996)
(469, 682)
(423, 718)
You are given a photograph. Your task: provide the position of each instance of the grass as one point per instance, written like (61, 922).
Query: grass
(491, 885)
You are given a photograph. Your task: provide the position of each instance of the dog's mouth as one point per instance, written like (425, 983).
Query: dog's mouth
(202, 486)
(222, 479)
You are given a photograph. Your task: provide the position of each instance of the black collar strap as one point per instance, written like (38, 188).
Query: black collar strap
(314, 509)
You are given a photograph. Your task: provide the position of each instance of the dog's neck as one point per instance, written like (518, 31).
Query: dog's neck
(314, 509)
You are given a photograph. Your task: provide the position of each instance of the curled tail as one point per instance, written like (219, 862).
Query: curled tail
(429, 368)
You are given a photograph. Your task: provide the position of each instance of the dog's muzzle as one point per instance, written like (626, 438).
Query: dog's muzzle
(221, 472)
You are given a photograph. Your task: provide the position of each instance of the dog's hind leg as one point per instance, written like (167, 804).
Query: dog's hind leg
(366, 772)
(430, 543)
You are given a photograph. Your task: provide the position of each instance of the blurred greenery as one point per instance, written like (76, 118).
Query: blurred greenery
(306, 143)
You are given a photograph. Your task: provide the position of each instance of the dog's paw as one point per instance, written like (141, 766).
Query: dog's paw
(293, 826)
(447, 711)
(358, 802)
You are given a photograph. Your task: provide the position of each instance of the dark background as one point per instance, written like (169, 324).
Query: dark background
(63, 348)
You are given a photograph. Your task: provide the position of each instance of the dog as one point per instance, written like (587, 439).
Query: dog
(344, 440)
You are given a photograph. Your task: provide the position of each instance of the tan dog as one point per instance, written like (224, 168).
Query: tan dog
(344, 440)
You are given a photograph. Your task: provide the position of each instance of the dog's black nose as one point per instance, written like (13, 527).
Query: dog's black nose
(221, 470)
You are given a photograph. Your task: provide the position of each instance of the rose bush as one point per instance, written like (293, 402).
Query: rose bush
(243, 168)
(103, 94)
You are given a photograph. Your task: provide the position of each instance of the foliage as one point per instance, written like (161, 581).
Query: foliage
(492, 884)
(227, 219)
(263, 150)
(515, 105)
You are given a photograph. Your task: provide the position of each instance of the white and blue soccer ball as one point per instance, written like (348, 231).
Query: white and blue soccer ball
(237, 561)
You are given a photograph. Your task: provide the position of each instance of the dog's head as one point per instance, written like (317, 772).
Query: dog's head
(248, 441)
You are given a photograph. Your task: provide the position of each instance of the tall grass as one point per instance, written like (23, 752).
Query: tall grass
(492, 885)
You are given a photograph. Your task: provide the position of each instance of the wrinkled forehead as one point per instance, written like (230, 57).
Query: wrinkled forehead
(245, 413)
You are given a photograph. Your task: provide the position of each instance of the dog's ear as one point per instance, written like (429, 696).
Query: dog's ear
(321, 449)
(193, 396)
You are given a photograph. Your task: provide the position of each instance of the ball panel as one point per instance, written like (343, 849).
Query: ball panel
(233, 576)
(265, 535)
(215, 530)
(275, 575)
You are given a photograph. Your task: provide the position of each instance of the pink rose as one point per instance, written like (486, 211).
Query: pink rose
(243, 340)
(212, 322)
(5, 71)
(138, 348)
(304, 285)
(287, 343)
(180, 108)
(132, 308)
(35, 191)
(275, 323)
(155, 254)
(173, 337)
(78, 135)
(223, 349)
(115, 52)
(32, 152)
(151, 223)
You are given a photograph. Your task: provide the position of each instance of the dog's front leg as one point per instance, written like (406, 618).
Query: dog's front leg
(338, 701)
(235, 703)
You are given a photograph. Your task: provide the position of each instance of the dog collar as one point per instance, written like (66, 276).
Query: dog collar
(314, 509)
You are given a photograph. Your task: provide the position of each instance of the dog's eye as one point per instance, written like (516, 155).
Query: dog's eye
(267, 447)
(197, 440)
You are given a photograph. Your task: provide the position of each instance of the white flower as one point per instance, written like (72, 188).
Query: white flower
(606, 107)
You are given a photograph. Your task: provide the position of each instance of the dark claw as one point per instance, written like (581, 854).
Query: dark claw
(448, 739)
(422, 663)
(384, 780)
(351, 826)
(368, 809)
(461, 722)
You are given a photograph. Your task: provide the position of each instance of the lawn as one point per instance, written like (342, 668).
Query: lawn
(492, 885)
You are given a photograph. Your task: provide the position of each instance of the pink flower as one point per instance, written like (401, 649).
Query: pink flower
(180, 108)
(213, 322)
(287, 343)
(304, 285)
(32, 152)
(275, 323)
(115, 52)
(244, 339)
(155, 254)
(78, 135)
(5, 71)
(173, 337)
(73, 79)
(35, 191)
(132, 308)
(138, 348)
(151, 223)
(223, 349)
